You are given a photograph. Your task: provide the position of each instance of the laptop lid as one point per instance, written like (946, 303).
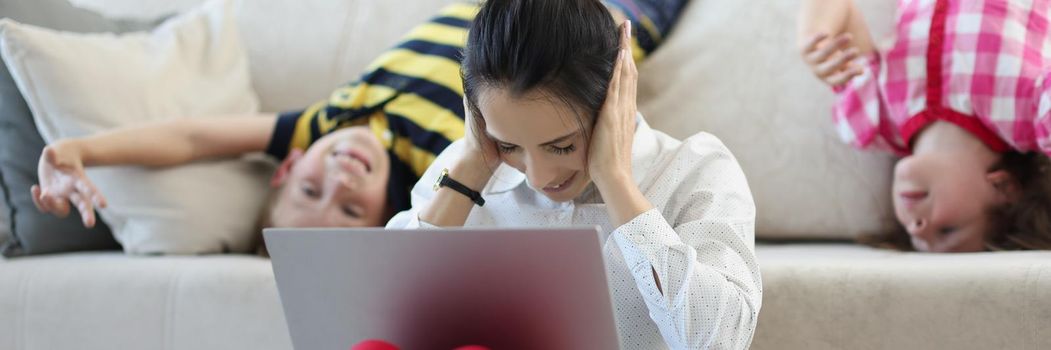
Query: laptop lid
(440, 289)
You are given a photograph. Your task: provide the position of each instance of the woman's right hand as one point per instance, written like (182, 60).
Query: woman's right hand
(831, 59)
(63, 181)
(474, 169)
(480, 151)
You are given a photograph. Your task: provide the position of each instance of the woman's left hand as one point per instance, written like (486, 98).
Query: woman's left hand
(609, 156)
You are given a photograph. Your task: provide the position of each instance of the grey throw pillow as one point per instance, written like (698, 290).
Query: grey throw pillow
(31, 232)
(5, 229)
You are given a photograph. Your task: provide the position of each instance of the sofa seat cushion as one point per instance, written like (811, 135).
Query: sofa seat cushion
(816, 296)
(845, 296)
(114, 301)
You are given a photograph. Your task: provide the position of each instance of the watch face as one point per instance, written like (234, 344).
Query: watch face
(441, 177)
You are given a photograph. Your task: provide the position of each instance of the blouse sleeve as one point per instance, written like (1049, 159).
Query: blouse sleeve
(701, 246)
(860, 112)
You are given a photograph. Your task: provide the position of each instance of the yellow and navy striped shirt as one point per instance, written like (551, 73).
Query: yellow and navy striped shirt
(411, 97)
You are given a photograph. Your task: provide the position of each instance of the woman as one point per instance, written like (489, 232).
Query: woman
(555, 139)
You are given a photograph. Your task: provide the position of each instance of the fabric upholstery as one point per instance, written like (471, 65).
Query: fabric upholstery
(842, 296)
(816, 296)
(114, 301)
(731, 68)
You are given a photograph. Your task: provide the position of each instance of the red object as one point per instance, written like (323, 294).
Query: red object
(373, 344)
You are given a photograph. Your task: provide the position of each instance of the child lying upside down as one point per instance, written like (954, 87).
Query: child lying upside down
(964, 96)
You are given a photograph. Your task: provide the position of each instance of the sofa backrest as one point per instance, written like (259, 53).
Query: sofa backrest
(729, 68)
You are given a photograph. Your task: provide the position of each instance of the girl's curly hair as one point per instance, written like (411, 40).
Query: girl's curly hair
(1023, 224)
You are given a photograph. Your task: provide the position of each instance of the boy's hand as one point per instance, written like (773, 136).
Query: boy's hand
(832, 59)
(63, 181)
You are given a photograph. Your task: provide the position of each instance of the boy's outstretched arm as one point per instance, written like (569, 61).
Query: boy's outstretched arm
(174, 142)
(831, 35)
(62, 180)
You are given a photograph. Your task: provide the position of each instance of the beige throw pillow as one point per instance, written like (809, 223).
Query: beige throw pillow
(192, 66)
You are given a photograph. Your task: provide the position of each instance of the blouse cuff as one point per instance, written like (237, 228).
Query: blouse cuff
(409, 220)
(417, 223)
(649, 234)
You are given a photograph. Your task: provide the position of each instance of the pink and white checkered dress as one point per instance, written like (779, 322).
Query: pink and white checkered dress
(984, 65)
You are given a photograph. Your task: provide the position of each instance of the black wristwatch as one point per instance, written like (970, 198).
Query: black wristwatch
(445, 181)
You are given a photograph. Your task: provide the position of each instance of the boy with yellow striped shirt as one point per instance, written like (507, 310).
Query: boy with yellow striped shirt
(350, 160)
(411, 99)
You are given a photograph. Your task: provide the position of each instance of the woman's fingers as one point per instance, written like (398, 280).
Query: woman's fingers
(625, 35)
(614, 93)
(629, 72)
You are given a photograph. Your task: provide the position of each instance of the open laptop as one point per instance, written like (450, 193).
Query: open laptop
(441, 289)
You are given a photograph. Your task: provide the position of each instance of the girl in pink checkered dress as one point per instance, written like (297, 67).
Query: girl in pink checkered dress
(963, 95)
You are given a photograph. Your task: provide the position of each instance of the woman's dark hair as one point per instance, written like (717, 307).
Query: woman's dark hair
(565, 49)
(1022, 224)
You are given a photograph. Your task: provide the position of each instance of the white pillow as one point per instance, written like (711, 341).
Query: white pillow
(731, 68)
(192, 66)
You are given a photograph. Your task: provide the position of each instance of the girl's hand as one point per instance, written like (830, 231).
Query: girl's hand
(609, 156)
(832, 59)
(63, 181)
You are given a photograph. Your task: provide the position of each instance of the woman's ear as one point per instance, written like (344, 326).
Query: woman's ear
(1005, 184)
(283, 171)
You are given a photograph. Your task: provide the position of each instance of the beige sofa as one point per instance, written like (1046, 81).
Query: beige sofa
(729, 68)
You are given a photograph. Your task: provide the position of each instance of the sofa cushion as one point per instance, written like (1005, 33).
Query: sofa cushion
(841, 296)
(731, 68)
(300, 50)
(816, 296)
(21, 144)
(192, 66)
(114, 301)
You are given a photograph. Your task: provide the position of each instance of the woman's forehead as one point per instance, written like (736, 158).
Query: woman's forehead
(531, 118)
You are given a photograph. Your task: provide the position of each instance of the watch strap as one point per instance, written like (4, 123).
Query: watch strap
(445, 181)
